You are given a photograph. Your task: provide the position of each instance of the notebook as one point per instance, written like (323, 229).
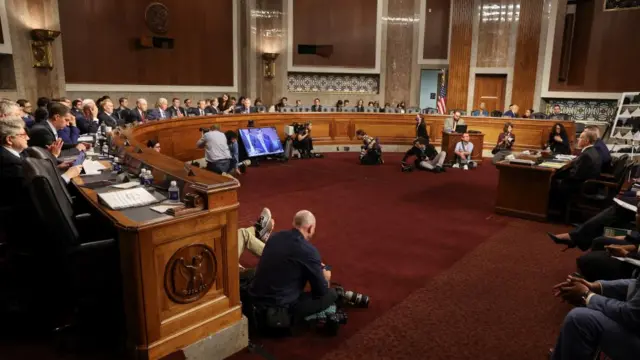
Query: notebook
(124, 199)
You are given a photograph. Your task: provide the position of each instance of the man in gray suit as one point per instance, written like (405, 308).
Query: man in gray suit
(451, 123)
(608, 319)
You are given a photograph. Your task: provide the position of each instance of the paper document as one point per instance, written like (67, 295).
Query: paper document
(625, 205)
(124, 199)
(162, 209)
(86, 138)
(565, 157)
(127, 185)
(553, 165)
(628, 260)
(92, 167)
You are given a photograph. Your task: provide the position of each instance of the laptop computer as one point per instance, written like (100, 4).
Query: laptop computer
(461, 129)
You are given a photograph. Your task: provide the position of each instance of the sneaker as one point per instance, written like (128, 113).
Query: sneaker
(456, 166)
(246, 162)
(466, 167)
(265, 232)
(264, 219)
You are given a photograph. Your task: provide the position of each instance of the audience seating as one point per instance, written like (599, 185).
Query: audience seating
(413, 110)
(261, 108)
(370, 109)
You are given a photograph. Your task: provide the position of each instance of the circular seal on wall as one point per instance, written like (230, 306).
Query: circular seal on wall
(157, 18)
(190, 273)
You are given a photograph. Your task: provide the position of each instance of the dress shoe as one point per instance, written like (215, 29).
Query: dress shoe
(570, 244)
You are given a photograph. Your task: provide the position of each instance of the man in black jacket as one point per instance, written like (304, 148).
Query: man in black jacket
(139, 113)
(175, 110)
(45, 134)
(585, 167)
(108, 116)
(289, 261)
(426, 157)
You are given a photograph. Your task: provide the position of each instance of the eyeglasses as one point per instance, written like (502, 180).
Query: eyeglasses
(23, 135)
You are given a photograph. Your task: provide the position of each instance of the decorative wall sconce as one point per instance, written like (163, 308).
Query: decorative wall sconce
(41, 40)
(269, 64)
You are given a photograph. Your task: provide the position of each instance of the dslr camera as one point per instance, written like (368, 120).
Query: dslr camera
(352, 298)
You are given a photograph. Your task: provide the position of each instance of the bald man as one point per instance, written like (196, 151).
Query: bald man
(289, 261)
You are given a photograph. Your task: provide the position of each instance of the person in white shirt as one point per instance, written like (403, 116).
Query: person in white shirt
(217, 152)
(463, 151)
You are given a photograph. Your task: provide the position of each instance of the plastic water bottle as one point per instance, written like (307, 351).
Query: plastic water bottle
(143, 173)
(105, 149)
(116, 165)
(148, 180)
(174, 192)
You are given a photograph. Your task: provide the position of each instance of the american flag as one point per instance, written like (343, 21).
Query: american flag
(442, 96)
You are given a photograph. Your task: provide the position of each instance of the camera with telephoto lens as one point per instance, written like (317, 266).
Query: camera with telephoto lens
(352, 298)
(333, 321)
(299, 127)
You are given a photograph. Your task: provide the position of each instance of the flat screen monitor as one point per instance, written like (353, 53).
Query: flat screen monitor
(261, 141)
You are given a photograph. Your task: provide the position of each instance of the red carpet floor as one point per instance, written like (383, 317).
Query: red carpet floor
(448, 279)
(399, 238)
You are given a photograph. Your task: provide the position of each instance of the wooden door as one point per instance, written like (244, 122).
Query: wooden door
(490, 90)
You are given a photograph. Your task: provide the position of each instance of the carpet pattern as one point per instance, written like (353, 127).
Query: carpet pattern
(408, 240)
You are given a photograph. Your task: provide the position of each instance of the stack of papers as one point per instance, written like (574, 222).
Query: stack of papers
(625, 205)
(125, 199)
(551, 164)
(92, 167)
(565, 157)
(628, 260)
(86, 138)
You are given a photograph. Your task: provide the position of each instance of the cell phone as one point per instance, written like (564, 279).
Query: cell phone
(80, 159)
(327, 267)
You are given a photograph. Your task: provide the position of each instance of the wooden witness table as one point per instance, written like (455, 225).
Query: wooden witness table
(179, 273)
(449, 141)
(523, 191)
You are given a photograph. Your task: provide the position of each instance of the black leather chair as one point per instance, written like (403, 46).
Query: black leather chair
(42, 154)
(538, 116)
(496, 113)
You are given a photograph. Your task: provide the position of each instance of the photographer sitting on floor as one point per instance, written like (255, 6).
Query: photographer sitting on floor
(217, 152)
(302, 140)
(427, 157)
(371, 153)
(288, 262)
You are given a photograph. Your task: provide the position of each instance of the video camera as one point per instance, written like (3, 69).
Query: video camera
(299, 127)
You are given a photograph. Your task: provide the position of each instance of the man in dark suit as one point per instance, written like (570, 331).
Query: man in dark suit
(45, 134)
(585, 167)
(256, 142)
(139, 113)
(160, 112)
(175, 110)
(316, 107)
(88, 122)
(213, 108)
(270, 146)
(512, 112)
(107, 116)
(245, 107)
(122, 112)
(76, 108)
(188, 108)
(13, 140)
(201, 109)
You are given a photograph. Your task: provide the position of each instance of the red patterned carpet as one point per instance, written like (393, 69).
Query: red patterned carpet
(447, 278)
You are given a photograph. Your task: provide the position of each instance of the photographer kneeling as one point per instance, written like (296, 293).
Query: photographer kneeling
(302, 140)
(288, 262)
(371, 153)
(217, 154)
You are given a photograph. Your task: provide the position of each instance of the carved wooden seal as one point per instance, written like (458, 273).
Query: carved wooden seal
(190, 273)
(156, 15)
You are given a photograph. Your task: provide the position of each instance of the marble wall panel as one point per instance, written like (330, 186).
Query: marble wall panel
(400, 23)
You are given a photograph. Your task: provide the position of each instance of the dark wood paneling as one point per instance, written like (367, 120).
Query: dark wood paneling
(490, 90)
(526, 61)
(98, 40)
(604, 52)
(460, 53)
(436, 29)
(350, 26)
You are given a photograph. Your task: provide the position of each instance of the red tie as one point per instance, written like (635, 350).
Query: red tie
(142, 115)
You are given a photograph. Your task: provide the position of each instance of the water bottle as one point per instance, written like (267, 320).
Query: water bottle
(174, 192)
(148, 181)
(143, 172)
(116, 165)
(105, 149)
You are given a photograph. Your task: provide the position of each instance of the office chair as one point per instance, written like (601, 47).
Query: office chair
(538, 116)
(370, 109)
(43, 154)
(75, 266)
(496, 113)
(413, 110)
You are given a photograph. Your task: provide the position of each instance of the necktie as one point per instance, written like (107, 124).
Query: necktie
(161, 114)
(141, 115)
(201, 112)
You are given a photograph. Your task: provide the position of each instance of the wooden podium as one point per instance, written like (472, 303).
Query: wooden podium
(449, 141)
(180, 273)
